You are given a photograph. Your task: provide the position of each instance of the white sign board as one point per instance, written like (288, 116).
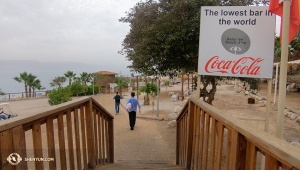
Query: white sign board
(236, 41)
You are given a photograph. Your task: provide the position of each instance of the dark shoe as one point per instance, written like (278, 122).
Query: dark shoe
(131, 128)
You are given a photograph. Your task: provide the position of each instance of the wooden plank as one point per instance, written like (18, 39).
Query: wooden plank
(180, 143)
(111, 140)
(95, 135)
(212, 143)
(271, 163)
(206, 139)
(251, 156)
(219, 146)
(185, 139)
(202, 121)
(61, 141)
(232, 148)
(19, 145)
(190, 133)
(77, 139)
(196, 137)
(241, 152)
(107, 140)
(37, 145)
(194, 151)
(101, 161)
(6, 149)
(83, 136)
(51, 143)
(177, 141)
(70, 140)
(228, 145)
(103, 139)
(90, 135)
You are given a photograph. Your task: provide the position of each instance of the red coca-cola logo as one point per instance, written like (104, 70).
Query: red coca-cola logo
(242, 66)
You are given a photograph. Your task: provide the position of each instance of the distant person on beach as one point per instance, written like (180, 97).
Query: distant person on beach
(117, 98)
(132, 111)
(5, 115)
(2, 114)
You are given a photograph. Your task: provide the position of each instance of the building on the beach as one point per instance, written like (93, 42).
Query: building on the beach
(103, 79)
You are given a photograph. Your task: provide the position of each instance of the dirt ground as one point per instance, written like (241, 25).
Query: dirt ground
(236, 105)
(154, 140)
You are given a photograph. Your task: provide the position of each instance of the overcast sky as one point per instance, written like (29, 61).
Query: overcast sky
(64, 31)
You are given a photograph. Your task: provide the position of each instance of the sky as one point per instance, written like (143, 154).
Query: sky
(63, 31)
(81, 31)
(86, 32)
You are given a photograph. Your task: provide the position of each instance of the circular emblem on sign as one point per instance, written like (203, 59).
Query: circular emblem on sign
(14, 159)
(235, 41)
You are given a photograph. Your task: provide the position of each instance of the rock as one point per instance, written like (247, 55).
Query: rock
(286, 111)
(294, 116)
(262, 103)
(298, 121)
(172, 123)
(172, 116)
(297, 144)
(177, 109)
(289, 114)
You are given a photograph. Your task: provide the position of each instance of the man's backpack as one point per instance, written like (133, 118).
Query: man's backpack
(117, 98)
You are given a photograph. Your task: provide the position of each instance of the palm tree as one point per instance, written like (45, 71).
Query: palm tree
(70, 76)
(30, 79)
(36, 84)
(23, 79)
(85, 77)
(122, 82)
(58, 81)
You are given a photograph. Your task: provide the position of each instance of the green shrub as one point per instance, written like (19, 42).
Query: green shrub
(77, 88)
(90, 90)
(58, 96)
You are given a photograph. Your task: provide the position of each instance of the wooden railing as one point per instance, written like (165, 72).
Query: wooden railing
(73, 135)
(206, 139)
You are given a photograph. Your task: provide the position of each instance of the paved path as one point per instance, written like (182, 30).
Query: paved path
(151, 140)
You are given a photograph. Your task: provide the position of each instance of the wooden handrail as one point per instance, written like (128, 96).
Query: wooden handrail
(76, 132)
(203, 128)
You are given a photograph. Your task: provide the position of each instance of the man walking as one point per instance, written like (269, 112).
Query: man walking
(117, 98)
(132, 111)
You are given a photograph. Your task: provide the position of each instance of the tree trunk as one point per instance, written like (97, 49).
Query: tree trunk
(147, 101)
(26, 90)
(208, 96)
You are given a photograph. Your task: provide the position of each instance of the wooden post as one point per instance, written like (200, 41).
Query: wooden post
(190, 134)
(90, 135)
(283, 68)
(111, 140)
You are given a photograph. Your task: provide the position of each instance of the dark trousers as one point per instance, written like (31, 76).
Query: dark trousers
(132, 118)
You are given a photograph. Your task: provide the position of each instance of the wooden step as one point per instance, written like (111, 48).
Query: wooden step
(139, 164)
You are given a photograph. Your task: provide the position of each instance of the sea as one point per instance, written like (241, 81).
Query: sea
(45, 72)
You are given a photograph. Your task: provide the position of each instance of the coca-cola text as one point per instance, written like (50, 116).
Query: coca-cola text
(242, 66)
